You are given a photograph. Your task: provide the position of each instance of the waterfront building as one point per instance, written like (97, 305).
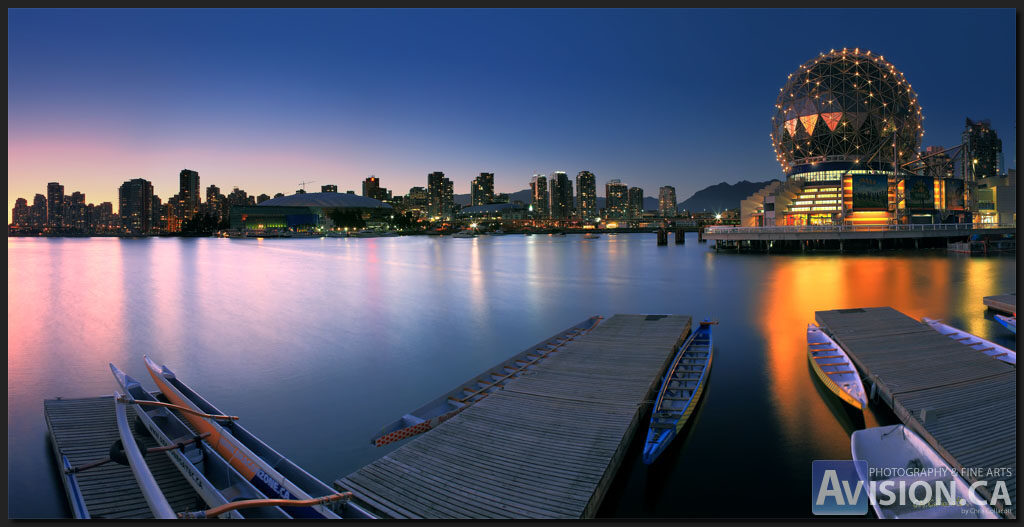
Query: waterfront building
(440, 196)
(20, 214)
(416, 202)
(635, 206)
(667, 202)
(501, 198)
(586, 196)
(77, 220)
(996, 198)
(539, 193)
(482, 189)
(188, 194)
(323, 188)
(308, 210)
(135, 202)
(54, 206)
(560, 206)
(845, 123)
(103, 218)
(615, 199)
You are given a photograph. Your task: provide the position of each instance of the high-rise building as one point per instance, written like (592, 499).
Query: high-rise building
(216, 203)
(586, 196)
(615, 199)
(482, 190)
(331, 188)
(416, 201)
(561, 196)
(188, 193)
(159, 214)
(440, 197)
(667, 201)
(38, 211)
(76, 210)
(636, 202)
(983, 151)
(371, 187)
(135, 203)
(539, 193)
(55, 206)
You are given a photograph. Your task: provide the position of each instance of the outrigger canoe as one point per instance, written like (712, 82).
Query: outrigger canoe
(213, 478)
(680, 391)
(448, 405)
(270, 472)
(896, 457)
(834, 368)
(1009, 323)
(147, 483)
(988, 348)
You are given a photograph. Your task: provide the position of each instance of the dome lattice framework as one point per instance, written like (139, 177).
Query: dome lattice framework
(846, 106)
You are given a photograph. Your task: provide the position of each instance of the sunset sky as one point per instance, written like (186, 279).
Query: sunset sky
(265, 99)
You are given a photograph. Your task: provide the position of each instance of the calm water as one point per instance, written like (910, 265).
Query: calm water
(318, 343)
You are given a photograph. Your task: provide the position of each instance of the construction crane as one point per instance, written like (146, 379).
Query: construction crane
(304, 183)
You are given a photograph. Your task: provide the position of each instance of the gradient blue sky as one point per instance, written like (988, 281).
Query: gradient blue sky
(264, 99)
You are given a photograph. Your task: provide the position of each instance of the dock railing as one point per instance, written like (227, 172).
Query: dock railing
(919, 227)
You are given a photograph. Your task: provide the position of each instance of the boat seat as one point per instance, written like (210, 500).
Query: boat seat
(663, 425)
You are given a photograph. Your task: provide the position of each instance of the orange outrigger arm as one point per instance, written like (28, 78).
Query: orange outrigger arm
(245, 504)
(179, 408)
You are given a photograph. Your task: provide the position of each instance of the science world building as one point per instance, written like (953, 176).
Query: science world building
(846, 126)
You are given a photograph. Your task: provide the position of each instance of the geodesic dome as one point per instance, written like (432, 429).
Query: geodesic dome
(843, 109)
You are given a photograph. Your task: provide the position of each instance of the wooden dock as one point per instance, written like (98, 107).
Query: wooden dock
(83, 430)
(962, 402)
(1002, 303)
(546, 446)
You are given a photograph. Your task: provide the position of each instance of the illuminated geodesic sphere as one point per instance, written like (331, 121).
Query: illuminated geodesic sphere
(843, 110)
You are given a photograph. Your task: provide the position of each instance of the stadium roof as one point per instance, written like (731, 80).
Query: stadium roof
(325, 200)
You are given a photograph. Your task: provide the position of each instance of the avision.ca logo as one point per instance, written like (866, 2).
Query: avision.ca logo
(843, 487)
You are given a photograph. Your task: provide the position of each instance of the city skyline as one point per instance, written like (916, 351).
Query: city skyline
(264, 114)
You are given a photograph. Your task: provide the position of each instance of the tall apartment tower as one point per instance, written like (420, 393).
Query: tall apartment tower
(539, 192)
(188, 193)
(586, 196)
(561, 196)
(482, 190)
(983, 151)
(636, 202)
(615, 199)
(667, 201)
(440, 197)
(135, 202)
(55, 205)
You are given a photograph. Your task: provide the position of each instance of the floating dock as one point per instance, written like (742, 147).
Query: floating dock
(83, 430)
(962, 402)
(546, 446)
(1002, 303)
